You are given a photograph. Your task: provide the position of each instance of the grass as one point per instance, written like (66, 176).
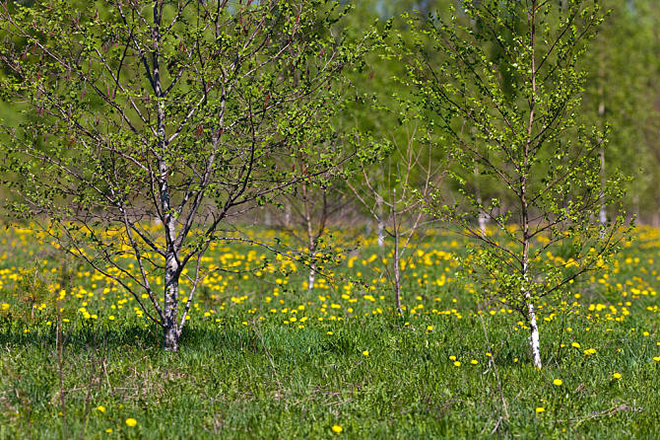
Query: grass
(247, 369)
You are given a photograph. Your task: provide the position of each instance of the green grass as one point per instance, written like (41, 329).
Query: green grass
(237, 376)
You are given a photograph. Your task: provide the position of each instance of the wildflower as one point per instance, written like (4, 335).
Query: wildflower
(558, 382)
(616, 375)
(131, 421)
(365, 352)
(540, 409)
(100, 408)
(457, 364)
(337, 429)
(656, 358)
(474, 362)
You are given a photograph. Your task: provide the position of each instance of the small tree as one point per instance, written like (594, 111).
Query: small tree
(180, 111)
(392, 194)
(305, 215)
(509, 110)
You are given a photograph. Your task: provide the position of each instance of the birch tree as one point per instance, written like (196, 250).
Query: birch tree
(392, 194)
(180, 111)
(511, 113)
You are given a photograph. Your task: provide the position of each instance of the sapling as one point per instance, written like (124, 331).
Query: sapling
(502, 96)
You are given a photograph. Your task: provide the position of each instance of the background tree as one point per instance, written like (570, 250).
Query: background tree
(514, 116)
(186, 112)
(313, 207)
(392, 194)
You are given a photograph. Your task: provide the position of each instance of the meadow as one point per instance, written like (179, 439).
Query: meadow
(261, 357)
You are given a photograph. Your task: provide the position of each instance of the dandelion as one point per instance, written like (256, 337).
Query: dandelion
(474, 362)
(457, 364)
(656, 358)
(337, 429)
(131, 422)
(558, 382)
(100, 408)
(539, 409)
(365, 352)
(616, 375)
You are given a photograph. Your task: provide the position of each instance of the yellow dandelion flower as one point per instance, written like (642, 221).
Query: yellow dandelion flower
(131, 421)
(337, 429)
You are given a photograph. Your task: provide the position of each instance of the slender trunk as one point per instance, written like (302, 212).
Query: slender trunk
(170, 309)
(534, 338)
(482, 218)
(171, 293)
(312, 276)
(602, 214)
(311, 239)
(397, 255)
(381, 223)
(397, 271)
(287, 215)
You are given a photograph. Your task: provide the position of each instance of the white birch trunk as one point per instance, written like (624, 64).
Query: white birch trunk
(534, 338)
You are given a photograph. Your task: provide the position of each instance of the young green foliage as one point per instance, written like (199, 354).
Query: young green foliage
(182, 112)
(503, 94)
